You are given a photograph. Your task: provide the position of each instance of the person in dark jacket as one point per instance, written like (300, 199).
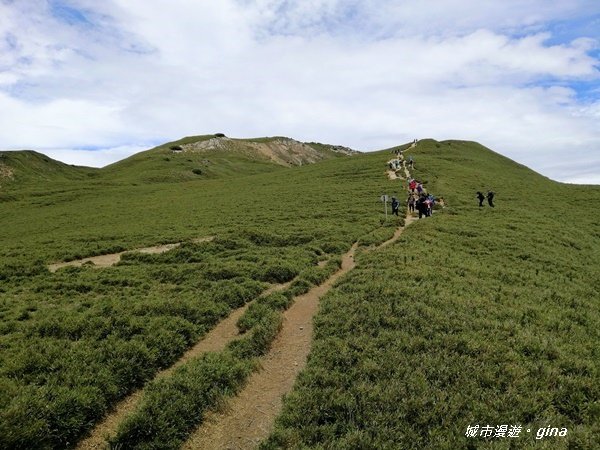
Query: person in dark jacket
(481, 198)
(421, 206)
(395, 205)
(490, 198)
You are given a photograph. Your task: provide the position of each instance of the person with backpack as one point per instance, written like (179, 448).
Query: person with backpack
(395, 205)
(410, 201)
(490, 198)
(481, 198)
(431, 199)
(421, 206)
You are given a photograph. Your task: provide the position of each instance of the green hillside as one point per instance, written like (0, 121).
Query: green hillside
(214, 156)
(76, 341)
(478, 316)
(475, 316)
(27, 166)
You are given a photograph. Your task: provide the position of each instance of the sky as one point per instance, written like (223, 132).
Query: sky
(89, 82)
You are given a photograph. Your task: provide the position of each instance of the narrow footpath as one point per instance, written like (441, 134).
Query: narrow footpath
(248, 418)
(215, 340)
(113, 258)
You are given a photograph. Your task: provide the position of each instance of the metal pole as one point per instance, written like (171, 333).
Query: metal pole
(385, 203)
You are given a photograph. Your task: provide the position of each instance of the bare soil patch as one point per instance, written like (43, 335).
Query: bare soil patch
(113, 258)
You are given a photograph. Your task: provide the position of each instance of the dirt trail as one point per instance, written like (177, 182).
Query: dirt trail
(214, 341)
(113, 258)
(249, 417)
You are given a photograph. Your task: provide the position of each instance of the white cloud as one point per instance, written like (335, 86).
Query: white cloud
(94, 158)
(366, 74)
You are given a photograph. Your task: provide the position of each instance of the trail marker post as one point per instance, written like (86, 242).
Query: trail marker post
(384, 199)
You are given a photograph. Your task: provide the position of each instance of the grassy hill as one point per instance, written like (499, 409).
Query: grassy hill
(477, 316)
(486, 316)
(213, 156)
(76, 341)
(27, 166)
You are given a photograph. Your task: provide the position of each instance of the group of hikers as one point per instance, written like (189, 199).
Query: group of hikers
(395, 164)
(423, 203)
(489, 196)
(418, 198)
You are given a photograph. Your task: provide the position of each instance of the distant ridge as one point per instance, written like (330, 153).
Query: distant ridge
(280, 150)
(217, 155)
(189, 158)
(31, 166)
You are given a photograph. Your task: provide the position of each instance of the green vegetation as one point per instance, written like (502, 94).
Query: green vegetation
(27, 166)
(76, 341)
(174, 406)
(475, 316)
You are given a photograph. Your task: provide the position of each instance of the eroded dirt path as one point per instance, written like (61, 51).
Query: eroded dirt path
(214, 341)
(113, 258)
(249, 416)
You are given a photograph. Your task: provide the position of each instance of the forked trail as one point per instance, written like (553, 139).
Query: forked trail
(215, 340)
(248, 418)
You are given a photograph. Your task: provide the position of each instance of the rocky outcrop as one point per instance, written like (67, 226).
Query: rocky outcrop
(280, 150)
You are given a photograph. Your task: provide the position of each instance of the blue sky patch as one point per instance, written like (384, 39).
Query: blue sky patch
(68, 14)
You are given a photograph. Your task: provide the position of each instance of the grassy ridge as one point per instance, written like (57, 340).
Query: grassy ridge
(74, 342)
(475, 316)
(28, 167)
(74, 220)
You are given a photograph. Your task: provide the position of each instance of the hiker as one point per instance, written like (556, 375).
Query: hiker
(411, 203)
(481, 198)
(421, 207)
(410, 162)
(490, 198)
(431, 199)
(419, 188)
(412, 185)
(395, 205)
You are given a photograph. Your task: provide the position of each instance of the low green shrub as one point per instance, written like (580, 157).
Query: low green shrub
(253, 315)
(299, 287)
(258, 341)
(171, 406)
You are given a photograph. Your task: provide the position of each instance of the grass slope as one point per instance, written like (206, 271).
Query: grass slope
(27, 167)
(74, 342)
(160, 164)
(474, 317)
(237, 157)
